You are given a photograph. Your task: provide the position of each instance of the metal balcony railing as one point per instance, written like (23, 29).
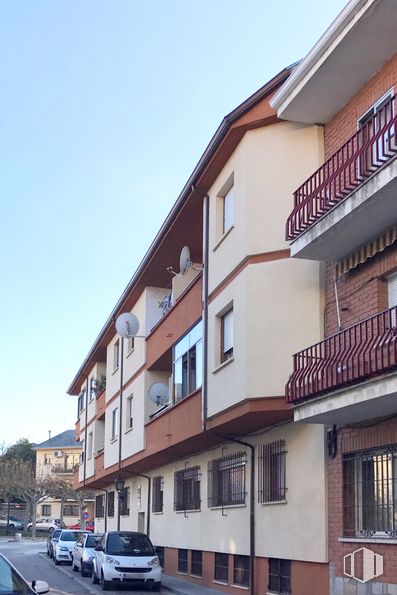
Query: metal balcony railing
(373, 145)
(362, 351)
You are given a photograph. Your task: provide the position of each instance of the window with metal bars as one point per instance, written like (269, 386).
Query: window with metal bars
(158, 492)
(196, 565)
(370, 492)
(272, 485)
(241, 571)
(111, 504)
(187, 489)
(221, 568)
(279, 576)
(99, 507)
(226, 480)
(182, 561)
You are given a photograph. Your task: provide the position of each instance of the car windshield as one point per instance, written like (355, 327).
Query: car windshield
(10, 582)
(70, 535)
(93, 540)
(134, 544)
(55, 534)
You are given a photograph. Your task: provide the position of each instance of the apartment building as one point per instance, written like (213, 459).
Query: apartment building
(345, 215)
(184, 426)
(57, 458)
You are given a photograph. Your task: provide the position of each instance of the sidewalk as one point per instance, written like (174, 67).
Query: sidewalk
(181, 587)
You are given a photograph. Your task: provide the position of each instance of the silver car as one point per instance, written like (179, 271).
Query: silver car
(66, 542)
(84, 552)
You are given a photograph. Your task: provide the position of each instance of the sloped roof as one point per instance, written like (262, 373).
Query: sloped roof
(67, 438)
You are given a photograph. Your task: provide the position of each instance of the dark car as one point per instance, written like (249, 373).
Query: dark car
(13, 583)
(52, 539)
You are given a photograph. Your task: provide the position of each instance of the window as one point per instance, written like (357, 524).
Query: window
(392, 297)
(115, 423)
(196, 563)
(90, 445)
(71, 510)
(139, 497)
(377, 131)
(279, 576)
(125, 502)
(116, 354)
(226, 480)
(158, 494)
(370, 492)
(111, 504)
(99, 507)
(188, 362)
(187, 489)
(227, 336)
(47, 460)
(81, 402)
(182, 561)
(271, 472)
(221, 568)
(46, 510)
(160, 551)
(130, 412)
(92, 388)
(241, 571)
(228, 208)
(130, 344)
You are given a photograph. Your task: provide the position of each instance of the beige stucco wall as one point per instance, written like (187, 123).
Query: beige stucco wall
(267, 166)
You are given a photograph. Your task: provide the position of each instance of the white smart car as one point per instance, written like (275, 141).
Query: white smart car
(62, 549)
(126, 557)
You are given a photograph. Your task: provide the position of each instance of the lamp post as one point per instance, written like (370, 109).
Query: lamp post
(119, 485)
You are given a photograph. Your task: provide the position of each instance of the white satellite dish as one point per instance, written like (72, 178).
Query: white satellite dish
(127, 325)
(158, 393)
(184, 260)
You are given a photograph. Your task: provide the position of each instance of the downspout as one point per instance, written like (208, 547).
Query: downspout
(85, 430)
(251, 508)
(206, 225)
(121, 397)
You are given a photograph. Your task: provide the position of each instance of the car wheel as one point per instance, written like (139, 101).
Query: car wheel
(105, 584)
(94, 577)
(57, 562)
(74, 567)
(84, 572)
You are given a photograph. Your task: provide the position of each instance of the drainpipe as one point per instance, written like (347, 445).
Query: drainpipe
(121, 397)
(204, 388)
(85, 430)
(251, 508)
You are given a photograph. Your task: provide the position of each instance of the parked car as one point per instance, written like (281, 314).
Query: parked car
(51, 540)
(12, 582)
(89, 526)
(46, 524)
(126, 557)
(84, 552)
(14, 523)
(65, 544)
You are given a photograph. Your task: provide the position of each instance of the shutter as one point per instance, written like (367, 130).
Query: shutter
(392, 290)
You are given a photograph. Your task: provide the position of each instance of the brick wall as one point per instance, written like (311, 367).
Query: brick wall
(344, 124)
(350, 439)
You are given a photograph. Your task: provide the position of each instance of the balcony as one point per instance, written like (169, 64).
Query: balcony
(350, 199)
(350, 376)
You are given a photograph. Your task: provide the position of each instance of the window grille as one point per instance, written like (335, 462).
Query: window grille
(221, 568)
(196, 563)
(182, 561)
(111, 504)
(187, 489)
(272, 472)
(226, 480)
(279, 576)
(99, 508)
(158, 494)
(370, 492)
(241, 571)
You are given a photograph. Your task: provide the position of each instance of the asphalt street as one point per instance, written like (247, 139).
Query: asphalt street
(30, 558)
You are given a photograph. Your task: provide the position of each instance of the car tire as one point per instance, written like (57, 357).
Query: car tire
(94, 577)
(56, 561)
(105, 584)
(84, 572)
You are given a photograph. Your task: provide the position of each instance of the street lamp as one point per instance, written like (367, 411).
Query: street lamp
(119, 485)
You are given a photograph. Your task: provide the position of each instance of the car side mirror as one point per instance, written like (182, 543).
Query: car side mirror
(40, 587)
(99, 548)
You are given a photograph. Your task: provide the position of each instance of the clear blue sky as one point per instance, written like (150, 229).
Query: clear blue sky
(105, 109)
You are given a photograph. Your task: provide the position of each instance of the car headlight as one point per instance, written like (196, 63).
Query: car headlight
(110, 560)
(154, 562)
(64, 549)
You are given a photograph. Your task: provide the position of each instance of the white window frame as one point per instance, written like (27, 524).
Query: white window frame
(116, 355)
(130, 413)
(227, 335)
(115, 425)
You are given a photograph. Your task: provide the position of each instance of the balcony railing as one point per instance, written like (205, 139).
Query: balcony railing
(362, 351)
(373, 145)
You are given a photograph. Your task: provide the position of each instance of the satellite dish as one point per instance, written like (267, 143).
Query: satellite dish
(127, 325)
(158, 393)
(184, 260)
